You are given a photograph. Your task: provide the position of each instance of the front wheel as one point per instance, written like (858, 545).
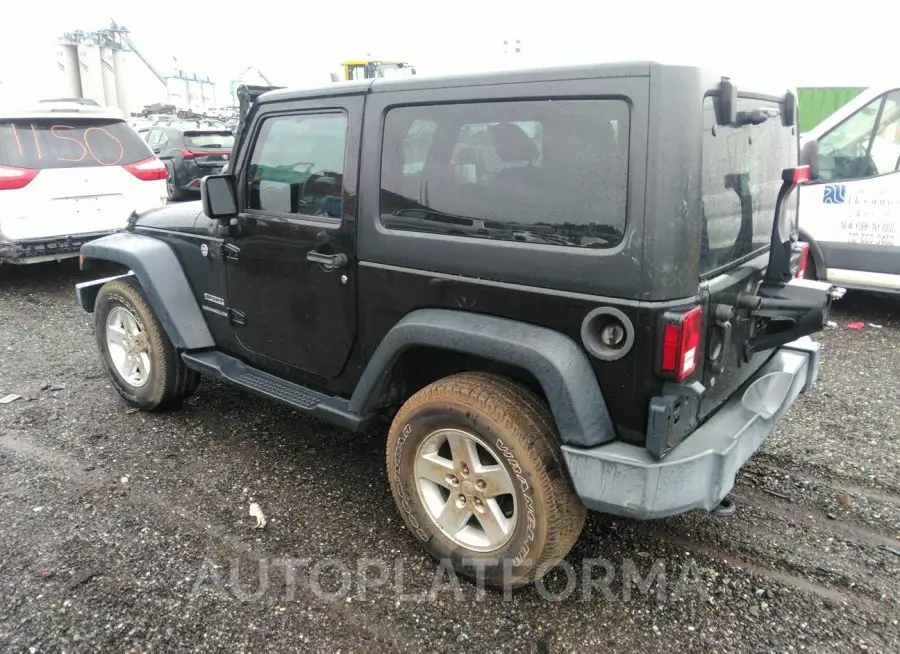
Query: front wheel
(141, 361)
(478, 477)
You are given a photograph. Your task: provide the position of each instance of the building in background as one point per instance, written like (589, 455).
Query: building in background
(107, 67)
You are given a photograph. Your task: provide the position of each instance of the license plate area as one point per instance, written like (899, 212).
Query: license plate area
(90, 204)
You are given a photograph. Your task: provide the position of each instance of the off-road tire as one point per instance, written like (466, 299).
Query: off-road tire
(519, 428)
(169, 381)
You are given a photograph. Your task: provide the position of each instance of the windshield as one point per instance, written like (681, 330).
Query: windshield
(393, 70)
(380, 70)
(857, 147)
(223, 139)
(69, 143)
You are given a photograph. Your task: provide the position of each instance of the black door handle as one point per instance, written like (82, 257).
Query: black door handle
(330, 261)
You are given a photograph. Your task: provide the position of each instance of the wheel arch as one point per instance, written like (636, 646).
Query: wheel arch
(547, 360)
(157, 269)
(816, 252)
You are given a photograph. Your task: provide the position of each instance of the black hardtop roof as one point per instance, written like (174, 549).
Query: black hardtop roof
(680, 77)
(557, 73)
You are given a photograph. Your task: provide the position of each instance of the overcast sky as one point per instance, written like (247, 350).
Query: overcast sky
(297, 43)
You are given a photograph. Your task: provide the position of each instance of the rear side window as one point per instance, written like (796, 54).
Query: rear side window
(741, 177)
(69, 143)
(549, 172)
(223, 139)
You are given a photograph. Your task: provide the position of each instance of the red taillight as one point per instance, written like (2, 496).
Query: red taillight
(148, 170)
(12, 177)
(187, 154)
(681, 343)
(804, 258)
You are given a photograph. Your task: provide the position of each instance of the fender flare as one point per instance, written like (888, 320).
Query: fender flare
(163, 280)
(816, 252)
(557, 362)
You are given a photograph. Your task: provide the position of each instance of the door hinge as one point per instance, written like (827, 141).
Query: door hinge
(237, 317)
(229, 251)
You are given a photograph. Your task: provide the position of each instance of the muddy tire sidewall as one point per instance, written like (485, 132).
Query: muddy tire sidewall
(515, 559)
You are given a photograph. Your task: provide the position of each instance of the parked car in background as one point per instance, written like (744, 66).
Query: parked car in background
(69, 173)
(141, 126)
(189, 153)
(80, 101)
(199, 122)
(850, 212)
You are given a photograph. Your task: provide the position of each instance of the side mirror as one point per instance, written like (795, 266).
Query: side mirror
(809, 156)
(218, 193)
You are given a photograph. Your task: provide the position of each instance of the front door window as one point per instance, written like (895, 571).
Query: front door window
(297, 165)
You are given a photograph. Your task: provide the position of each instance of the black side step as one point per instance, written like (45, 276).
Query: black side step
(335, 410)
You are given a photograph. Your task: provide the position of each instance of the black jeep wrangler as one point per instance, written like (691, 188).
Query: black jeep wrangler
(568, 289)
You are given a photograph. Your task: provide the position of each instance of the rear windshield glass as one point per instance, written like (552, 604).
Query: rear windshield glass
(69, 143)
(223, 139)
(742, 167)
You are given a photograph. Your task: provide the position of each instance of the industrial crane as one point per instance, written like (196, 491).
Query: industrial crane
(117, 40)
(122, 33)
(259, 74)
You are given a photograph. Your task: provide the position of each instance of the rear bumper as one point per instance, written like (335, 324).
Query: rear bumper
(698, 473)
(46, 249)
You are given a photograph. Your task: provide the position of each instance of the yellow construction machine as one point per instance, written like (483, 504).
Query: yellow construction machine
(354, 69)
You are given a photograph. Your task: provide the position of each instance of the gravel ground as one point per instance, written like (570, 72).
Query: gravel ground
(129, 532)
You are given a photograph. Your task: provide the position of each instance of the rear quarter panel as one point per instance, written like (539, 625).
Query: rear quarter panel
(552, 286)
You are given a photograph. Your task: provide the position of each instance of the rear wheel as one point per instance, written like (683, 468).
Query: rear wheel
(143, 365)
(173, 193)
(479, 479)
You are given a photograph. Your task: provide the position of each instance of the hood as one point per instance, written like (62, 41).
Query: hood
(179, 217)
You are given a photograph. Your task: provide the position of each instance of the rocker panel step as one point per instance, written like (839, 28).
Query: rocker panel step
(222, 366)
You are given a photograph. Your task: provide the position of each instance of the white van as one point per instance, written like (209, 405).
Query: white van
(70, 173)
(850, 211)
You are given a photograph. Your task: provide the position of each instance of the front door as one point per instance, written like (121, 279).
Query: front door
(290, 301)
(851, 210)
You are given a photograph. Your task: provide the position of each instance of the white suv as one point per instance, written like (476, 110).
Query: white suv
(70, 173)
